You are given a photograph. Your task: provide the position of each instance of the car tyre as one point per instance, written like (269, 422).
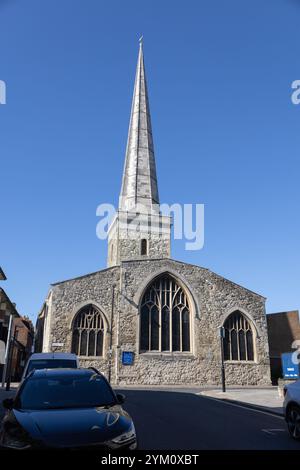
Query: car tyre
(293, 421)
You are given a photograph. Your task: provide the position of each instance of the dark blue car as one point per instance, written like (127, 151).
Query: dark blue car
(67, 408)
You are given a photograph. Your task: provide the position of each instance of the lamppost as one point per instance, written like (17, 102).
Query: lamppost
(222, 336)
(111, 331)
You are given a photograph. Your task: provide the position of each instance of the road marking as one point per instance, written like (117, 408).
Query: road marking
(240, 406)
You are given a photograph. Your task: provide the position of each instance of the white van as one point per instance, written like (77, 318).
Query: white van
(50, 361)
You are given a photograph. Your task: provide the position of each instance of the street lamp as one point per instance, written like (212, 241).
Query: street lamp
(222, 336)
(111, 331)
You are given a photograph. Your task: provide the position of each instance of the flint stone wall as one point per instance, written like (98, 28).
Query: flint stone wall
(212, 299)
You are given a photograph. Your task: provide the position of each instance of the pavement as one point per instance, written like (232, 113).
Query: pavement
(267, 400)
(4, 394)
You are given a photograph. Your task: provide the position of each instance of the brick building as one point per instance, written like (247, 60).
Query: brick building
(22, 334)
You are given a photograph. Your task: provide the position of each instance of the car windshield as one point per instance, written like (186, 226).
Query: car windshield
(65, 391)
(51, 364)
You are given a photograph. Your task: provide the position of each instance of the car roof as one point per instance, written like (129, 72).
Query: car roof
(37, 356)
(61, 372)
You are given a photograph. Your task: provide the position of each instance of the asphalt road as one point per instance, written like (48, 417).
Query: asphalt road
(181, 420)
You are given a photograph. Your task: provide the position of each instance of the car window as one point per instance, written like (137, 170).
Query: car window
(51, 364)
(65, 391)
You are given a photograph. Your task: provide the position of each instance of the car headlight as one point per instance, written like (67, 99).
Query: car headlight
(126, 436)
(14, 436)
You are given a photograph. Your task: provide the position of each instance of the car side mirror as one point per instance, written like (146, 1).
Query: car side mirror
(120, 398)
(8, 403)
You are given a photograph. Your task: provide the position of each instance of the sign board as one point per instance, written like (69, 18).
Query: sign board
(57, 345)
(290, 370)
(127, 358)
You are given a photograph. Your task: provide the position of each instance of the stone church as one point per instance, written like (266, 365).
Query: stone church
(146, 318)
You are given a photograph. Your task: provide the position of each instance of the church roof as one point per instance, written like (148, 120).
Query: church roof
(83, 276)
(168, 262)
(139, 183)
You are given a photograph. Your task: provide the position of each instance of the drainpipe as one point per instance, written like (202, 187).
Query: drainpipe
(222, 335)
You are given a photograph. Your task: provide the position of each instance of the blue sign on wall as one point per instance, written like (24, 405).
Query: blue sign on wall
(127, 358)
(290, 370)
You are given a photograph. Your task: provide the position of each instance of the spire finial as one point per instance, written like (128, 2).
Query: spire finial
(141, 40)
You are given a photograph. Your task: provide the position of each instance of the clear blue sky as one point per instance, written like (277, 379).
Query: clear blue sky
(226, 134)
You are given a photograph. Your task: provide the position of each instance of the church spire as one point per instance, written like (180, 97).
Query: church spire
(139, 230)
(139, 183)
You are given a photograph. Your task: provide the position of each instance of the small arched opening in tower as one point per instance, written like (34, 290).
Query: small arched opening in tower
(144, 247)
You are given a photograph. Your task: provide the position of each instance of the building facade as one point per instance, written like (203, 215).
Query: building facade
(283, 332)
(21, 337)
(22, 345)
(146, 318)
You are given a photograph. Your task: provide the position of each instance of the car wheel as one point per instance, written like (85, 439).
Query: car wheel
(293, 421)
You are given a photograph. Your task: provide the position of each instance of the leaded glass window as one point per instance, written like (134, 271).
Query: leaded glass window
(238, 338)
(165, 317)
(88, 332)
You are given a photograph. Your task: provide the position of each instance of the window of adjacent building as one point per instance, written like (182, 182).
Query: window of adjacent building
(165, 317)
(238, 340)
(88, 332)
(144, 247)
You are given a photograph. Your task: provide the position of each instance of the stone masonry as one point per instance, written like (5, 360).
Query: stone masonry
(213, 298)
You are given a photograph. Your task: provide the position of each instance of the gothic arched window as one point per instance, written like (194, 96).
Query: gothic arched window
(88, 332)
(165, 317)
(238, 338)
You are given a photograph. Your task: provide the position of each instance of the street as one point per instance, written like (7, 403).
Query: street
(182, 420)
(167, 420)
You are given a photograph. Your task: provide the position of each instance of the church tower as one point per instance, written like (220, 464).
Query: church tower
(139, 230)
